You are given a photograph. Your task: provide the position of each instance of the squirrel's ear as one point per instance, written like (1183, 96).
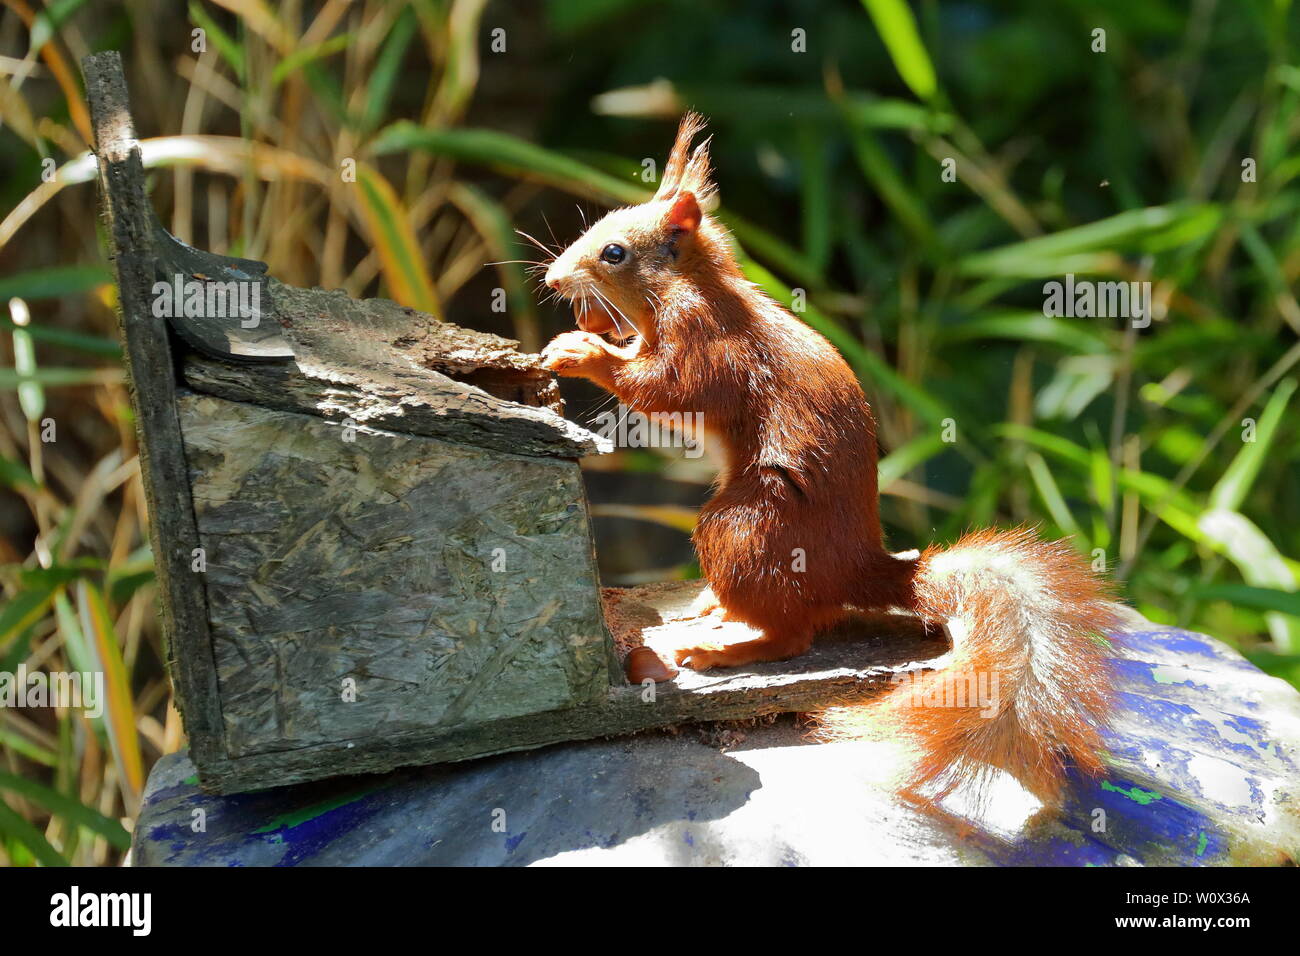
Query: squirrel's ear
(684, 216)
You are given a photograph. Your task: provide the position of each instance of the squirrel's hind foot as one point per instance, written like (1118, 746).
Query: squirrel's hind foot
(769, 647)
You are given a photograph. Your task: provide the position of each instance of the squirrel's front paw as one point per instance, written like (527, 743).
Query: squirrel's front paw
(569, 352)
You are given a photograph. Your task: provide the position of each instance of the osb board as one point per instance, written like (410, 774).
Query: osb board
(448, 585)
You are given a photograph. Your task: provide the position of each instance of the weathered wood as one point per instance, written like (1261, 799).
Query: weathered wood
(377, 583)
(389, 590)
(151, 376)
(375, 363)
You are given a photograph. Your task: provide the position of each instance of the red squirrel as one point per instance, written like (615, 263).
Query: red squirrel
(799, 479)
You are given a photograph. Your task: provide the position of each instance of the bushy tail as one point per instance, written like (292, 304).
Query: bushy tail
(1026, 687)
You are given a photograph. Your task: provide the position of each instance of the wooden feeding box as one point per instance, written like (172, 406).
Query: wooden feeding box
(371, 536)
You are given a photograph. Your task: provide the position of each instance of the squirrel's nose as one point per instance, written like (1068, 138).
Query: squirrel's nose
(555, 278)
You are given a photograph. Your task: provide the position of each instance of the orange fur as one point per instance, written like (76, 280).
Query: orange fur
(792, 539)
(1029, 614)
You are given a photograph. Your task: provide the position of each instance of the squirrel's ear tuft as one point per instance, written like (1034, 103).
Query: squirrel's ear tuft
(686, 169)
(684, 216)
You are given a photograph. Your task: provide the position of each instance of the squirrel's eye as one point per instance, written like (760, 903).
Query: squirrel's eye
(613, 254)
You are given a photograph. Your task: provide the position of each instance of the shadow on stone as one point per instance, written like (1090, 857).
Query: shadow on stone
(511, 810)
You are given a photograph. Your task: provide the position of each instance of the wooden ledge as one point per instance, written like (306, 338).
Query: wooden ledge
(864, 649)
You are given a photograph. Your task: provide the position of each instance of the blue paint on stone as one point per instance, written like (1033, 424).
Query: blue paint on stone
(599, 795)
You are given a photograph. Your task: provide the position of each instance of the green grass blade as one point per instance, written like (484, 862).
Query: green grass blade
(49, 20)
(461, 38)
(32, 751)
(774, 251)
(16, 475)
(511, 155)
(23, 610)
(1093, 248)
(80, 654)
(815, 185)
(54, 282)
(1231, 490)
(911, 455)
(493, 225)
(1062, 448)
(884, 176)
(383, 75)
(68, 808)
(1027, 326)
(874, 371)
(897, 27)
(15, 827)
(48, 377)
(1051, 493)
(301, 57)
(67, 339)
(119, 707)
(394, 240)
(227, 48)
(515, 157)
(1261, 565)
(1244, 595)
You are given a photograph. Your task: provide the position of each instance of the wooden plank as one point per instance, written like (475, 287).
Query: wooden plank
(129, 224)
(373, 362)
(383, 583)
